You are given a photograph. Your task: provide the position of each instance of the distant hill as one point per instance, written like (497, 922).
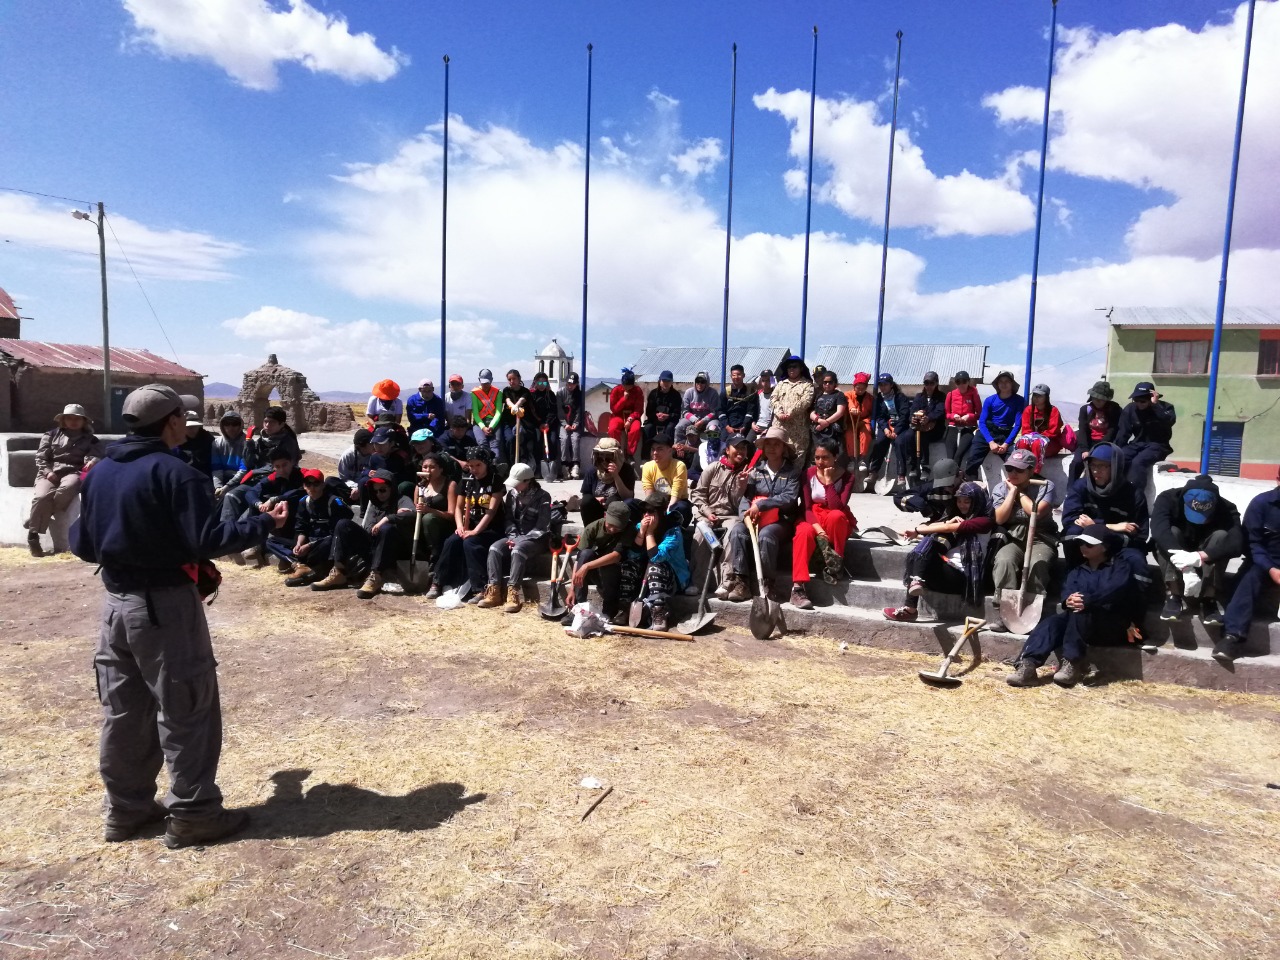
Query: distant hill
(221, 391)
(343, 396)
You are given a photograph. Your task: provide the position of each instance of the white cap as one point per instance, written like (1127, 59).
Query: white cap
(519, 473)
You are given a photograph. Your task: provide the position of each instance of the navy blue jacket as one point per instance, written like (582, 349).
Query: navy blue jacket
(316, 518)
(1154, 425)
(895, 409)
(424, 414)
(1262, 529)
(144, 513)
(289, 489)
(1125, 503)
(933, 408)
(1107, 588)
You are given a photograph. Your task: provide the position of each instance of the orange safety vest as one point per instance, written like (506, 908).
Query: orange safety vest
(488, 401)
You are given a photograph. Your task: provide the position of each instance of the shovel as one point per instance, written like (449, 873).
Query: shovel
(704, 616)
(554, 608)
(766, 613)
(923, 470)
(417, 529)
(1020, 613)
(970, 635)
(885, 484)
(657, 634)
(546, 468)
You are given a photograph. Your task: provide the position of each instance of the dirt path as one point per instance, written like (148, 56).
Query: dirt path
(414, 781)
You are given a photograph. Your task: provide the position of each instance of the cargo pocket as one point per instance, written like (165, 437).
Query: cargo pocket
(190, 689)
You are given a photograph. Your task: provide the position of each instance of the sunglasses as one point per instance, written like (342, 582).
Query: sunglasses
(1009, 469)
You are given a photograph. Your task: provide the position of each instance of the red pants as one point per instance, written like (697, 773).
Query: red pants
(617, 428)
(835, 523)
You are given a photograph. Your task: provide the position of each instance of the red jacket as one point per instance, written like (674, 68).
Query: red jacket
(962, 402)
(1050, 426)
(626, 401)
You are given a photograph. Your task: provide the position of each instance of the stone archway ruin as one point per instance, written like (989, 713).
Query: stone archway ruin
(302, 405)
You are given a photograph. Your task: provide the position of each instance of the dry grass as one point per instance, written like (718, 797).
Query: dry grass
(769, 801)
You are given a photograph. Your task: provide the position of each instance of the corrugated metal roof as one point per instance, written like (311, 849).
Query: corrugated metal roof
(79, 356)
(1194, 317)
(685, 362)
(908, 362)
(8, 310)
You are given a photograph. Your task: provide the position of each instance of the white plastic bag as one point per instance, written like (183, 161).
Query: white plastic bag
(452, 599)
(585, 622)
(1191, 583)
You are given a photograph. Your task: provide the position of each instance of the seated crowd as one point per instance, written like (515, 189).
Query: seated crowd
(709, 487)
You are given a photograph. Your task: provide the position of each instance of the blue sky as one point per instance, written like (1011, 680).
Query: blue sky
(272, 171)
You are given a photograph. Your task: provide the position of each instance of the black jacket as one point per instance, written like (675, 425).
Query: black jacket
(1262, 529)
(546, 410)
(198, 451)
(1118, 502)
(933, 408)
(895, 409)
(317, 517)
(144, 514)
(1110, 412)
(1153, 425)
(667, 402)
(742, 409)
(1171, 531)
(569, 409)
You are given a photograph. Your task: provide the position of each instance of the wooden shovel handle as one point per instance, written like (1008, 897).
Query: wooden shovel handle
(661, 634)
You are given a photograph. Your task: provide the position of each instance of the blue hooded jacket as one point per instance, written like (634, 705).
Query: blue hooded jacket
(144, 513)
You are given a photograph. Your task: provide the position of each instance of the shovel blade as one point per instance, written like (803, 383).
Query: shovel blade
(1020, 613)
(699, 621)
(761, 619)
(939, 680)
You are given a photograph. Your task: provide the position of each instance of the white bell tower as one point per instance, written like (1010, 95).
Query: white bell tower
(555, 363)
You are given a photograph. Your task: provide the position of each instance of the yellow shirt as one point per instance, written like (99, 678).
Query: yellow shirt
(674, 481)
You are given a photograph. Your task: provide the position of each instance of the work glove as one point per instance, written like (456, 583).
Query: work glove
(1184, 560)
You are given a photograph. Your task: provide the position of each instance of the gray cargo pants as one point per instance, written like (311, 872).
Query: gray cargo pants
(524, 550)
(159, 691)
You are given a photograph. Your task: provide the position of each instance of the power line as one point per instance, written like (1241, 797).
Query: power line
(1065, 363)
(50, 196)
(144, 292)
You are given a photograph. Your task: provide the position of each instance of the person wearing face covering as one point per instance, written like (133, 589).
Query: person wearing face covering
(626, 403)
(1196, 533)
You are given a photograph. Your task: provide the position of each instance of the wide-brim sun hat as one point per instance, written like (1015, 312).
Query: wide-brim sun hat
(71, 410)
(777, 432)
(386, 390)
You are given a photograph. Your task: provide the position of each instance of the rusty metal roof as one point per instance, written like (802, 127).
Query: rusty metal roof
(8, 310)
(79, 356)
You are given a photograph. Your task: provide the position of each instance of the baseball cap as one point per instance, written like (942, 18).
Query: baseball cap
(426, 383)
(1143, 389)
(1199, 500)
(945, 473)
(665, 375)
(193, 419)
(571, 378)
(420, 436)
(930, 377)
(519, 473)
(486, 376)
(1022, 459)
(381, 435)
(618, 514)
(961, 376)
(150, 404)
(885, 378)
(1040, 389)
(766, 374)
(313, 475)
(861, 378)
(655, 502)
(381, 476)
(702, 377)
(1093, 538)
(455, 378)
(1101, 452)
(663, 437)
(189, 402)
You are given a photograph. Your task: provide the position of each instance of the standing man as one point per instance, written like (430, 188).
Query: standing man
(147, 519)
(425, 410)
(573, 418)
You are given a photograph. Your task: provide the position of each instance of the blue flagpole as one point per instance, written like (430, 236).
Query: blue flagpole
(728, 218)
(888, 196)
(808, 204)
(444, 223)
(1226, 250)
(1044, 151)
(586, 226)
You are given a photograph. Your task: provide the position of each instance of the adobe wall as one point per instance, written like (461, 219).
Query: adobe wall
(6, 402)
(41, 394)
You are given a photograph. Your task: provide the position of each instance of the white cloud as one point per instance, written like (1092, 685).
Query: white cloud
(249, 38)
(851, 149)
(703, 157)
(154, 253)
(1156, 109)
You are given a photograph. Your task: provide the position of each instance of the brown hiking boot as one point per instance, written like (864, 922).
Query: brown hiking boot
(515, 600)
(739, 591)
(372, 586)
(302, 575)
(1024, 674)
(284, 568)
(33, 544)
(124, 824)
(210, 829)
(800, 597)
(494, 595)
(726, 585)
(659, 617)
(336, 580)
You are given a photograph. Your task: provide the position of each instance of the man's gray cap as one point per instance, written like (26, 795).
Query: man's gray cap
(150, 404)
(190, 403)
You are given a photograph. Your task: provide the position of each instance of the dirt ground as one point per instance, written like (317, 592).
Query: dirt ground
(414, 779)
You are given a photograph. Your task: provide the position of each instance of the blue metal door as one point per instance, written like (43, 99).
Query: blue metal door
(1226, 445)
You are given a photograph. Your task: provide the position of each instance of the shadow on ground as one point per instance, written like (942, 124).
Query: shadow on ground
(326, 808)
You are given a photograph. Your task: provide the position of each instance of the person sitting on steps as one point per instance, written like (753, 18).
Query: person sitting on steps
(1145, 433)
(715, 502)
(373, 546)
(667, 476)
(860, 412)
(950, 552)
(63, 456)
(1196, 533)
(477, 526)
(609, 478)
(829, 414)
(315, 518)
(892, 418)
(769, 492)
(1261, 569)
(998, 425)
(599, 560)
(1099, 594)
(828, 523)
(928, 419)
(1098, 422)
(1014, 498)
(666, 573)
(962, 407)
(527, 509)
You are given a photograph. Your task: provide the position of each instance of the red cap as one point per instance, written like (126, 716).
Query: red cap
(862, 378)
(312, 475)
(456, 378)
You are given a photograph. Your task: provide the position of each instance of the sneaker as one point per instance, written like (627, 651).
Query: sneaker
(574, 474)
(658, 617)
(692, 590)
(515, 600)
(336, 580)
(1024, 674)
(800, 597)
(197, 832)
(1210, 612)
(901, 614)
(33, 544)
(433, 592)
(371, 587)
(739, 591)
(122, 825)
(1228, 648)
(495, 594)
(862, 466)
(302, 575)
(916, 587)
(1071, 672)
(1172, 609)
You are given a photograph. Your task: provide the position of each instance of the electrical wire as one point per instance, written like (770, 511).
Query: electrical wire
(143, 291)
(49, 196)
(1068, 362)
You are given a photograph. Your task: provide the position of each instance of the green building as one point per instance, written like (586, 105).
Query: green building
(1170, 346)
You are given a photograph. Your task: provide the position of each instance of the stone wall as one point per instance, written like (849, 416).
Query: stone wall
(6, 399)
(39, 394)
(320, 416)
